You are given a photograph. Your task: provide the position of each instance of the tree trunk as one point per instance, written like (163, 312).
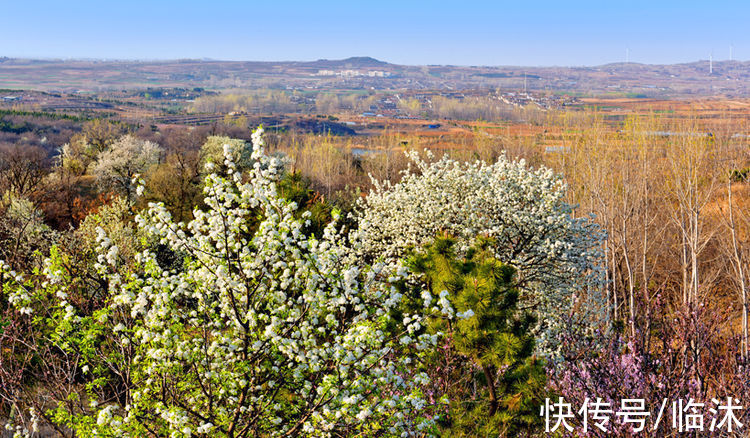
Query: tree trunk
(491, 386)
(631, 278)
(739, 270)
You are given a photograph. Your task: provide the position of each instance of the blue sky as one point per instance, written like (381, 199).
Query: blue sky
(406, 32)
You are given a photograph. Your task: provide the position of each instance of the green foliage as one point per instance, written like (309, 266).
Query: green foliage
(739, 175)
(296, 188)
(42, 114)
(505, 380)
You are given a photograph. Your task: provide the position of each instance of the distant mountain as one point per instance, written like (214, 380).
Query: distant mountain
(364, 61)
(352, 62)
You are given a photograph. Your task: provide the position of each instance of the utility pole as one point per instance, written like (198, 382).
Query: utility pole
(711, 63)
(627, 55)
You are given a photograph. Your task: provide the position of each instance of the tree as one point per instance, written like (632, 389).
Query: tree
(327, 103)
(692, 180)
(736, 242)
(615, 176)
(738, 258)
(125, 158)
(503, 382)
(259, 330)
(65, 335)
(556, 255)
(96, 136)
(410, 105)
(177, 181)
(100, 134)
(22, 169)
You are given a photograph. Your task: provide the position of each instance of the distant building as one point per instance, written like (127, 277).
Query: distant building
(353, 73)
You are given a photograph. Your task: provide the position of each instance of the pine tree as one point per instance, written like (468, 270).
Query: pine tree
(505, 383)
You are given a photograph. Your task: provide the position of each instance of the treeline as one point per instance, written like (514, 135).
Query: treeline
(45, 130)
(42, 114)
(260, 102)
(489, 107)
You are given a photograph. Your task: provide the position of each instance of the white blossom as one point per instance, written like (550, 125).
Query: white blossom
(557, 255)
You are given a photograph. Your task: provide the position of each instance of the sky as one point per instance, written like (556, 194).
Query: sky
(528, 33)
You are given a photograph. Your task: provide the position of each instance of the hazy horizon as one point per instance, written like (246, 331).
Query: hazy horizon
(206, 59)
(415, 33)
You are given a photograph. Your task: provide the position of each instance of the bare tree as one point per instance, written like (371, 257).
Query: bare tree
(691, 183)
(736, 242)
(22, 169)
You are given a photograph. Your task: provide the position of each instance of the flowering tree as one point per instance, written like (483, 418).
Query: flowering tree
(262, 330)
(659, 366)
(127, 157)
(556, 255)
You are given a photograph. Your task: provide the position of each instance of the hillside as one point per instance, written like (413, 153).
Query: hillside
(696, 79)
